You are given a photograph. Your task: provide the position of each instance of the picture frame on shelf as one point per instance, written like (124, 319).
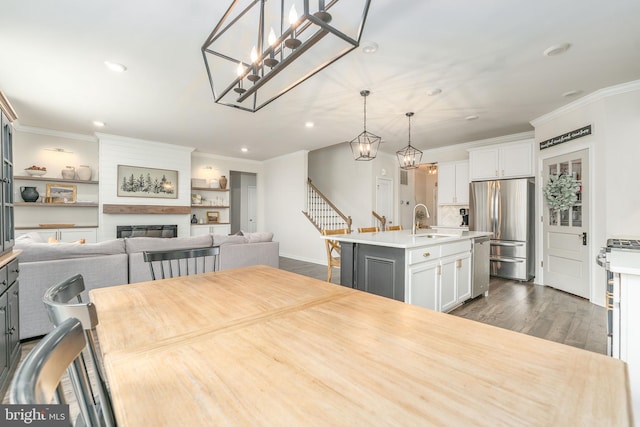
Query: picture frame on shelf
(213, 217)
(61, 193)
(136, 181)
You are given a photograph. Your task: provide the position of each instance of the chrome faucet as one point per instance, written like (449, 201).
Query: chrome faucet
(415, 224)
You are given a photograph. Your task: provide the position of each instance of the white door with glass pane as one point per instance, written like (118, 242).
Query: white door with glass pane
(565, 241)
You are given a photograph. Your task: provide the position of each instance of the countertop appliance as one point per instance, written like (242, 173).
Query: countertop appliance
(506, 208)
(480, 262)
(465, 217)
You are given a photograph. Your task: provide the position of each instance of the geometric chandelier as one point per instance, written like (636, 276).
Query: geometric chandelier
(409, 157)
(261, 49)
(365, 146)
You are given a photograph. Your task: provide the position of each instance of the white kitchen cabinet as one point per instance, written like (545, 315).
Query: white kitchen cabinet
(89, 234)
(200, 230)
(511, 160)
(453, 183)
(424, 280)
(440, 278)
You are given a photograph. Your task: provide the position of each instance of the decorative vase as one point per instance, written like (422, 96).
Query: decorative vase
(84, 172)
(194, 220)
(29, 194)
(223, 182)
(69, 172)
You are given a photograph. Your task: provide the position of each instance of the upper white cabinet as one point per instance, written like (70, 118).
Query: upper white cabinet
(512, 160)
(453, 183)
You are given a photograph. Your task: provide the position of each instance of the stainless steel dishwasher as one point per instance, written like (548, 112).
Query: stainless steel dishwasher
(480, 259)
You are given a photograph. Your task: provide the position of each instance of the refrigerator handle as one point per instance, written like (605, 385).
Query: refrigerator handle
(494, 209)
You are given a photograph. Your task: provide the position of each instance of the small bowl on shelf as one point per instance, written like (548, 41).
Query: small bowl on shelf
(35, 172)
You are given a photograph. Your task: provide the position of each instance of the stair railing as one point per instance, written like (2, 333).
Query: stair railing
(323, 214)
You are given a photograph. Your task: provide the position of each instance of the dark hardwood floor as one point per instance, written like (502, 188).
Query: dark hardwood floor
(540, 311)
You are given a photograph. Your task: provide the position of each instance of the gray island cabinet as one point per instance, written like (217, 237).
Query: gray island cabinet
(430, 269)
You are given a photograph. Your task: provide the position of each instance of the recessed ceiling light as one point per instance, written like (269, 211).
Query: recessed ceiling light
(309, 124)
(571, 93)
(556, 49)
(98, 123)
(369, 47)
(244, 149)
(114, 66)
(434, 92)
(472, 117)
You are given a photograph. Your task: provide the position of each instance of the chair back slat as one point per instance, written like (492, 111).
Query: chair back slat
(368, 229)
(63, 302)
(39, 376)
(182, 262)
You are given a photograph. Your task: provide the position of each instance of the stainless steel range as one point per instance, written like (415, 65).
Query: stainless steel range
(621, 259)
(620, 252)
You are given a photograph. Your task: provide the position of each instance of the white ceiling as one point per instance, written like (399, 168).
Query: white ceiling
(485, 56)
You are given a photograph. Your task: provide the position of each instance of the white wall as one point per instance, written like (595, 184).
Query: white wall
(285, 189)
(117, 150)
(614, 152)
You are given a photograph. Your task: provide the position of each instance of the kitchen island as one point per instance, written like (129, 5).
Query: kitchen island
(431, 269)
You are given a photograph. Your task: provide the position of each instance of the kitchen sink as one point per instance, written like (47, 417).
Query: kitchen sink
(435, 235)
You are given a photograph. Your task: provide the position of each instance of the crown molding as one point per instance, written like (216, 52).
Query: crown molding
(6, 108)
(227, 158)
(465, 146)
(56, 133)
(126, 139)
(586, 100)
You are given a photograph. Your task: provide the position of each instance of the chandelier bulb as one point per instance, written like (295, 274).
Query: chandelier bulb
(272, 37)
(240, 69)
(293, 15)
(254, 54)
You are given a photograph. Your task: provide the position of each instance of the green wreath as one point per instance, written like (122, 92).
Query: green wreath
(561, 192)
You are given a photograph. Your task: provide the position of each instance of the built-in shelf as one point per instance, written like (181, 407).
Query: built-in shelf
(42, 178)
(210, 206)
(209, 189)
(56, 205)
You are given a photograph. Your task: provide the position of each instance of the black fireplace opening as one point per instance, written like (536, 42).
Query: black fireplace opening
(146, 231)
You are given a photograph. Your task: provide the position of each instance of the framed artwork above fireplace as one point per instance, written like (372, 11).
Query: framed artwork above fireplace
(135, 181)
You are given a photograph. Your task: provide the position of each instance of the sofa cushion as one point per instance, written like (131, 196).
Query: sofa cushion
(34, 251)
(141, 244)
(221, 239)
(30, 237)
(258, 237)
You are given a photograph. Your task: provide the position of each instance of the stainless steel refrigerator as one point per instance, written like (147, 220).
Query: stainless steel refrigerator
(506, 208)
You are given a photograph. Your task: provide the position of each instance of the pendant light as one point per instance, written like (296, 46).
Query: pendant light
(409, 157)
(365, 146)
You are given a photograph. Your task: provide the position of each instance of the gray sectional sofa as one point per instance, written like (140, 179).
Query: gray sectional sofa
(116, 262)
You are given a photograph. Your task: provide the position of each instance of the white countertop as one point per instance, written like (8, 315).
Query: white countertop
(405, 240)
(624, 261)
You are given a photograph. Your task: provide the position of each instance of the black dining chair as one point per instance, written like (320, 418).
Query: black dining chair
(64, 301)
(38, 379)
(181, 262)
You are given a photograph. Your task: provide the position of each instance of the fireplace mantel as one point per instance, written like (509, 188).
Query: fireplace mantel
(145, 209)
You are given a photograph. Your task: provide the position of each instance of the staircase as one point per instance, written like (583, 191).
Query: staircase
(322, 213)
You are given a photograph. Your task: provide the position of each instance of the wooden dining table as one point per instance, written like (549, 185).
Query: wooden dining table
(261, 346)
